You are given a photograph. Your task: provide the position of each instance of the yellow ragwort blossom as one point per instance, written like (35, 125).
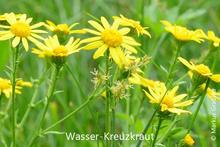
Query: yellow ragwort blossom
(53, 48)
(200, 69)
(62, 28)
(184, 34)
(133, 24)
(211, 93)
(6, 87)
(20, 29)
(170, 101)
(112, 38)
(213, 38)
(189, 140)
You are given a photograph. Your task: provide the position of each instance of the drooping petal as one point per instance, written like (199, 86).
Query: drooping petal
(15, 41)
(25, 43)
(100, 52)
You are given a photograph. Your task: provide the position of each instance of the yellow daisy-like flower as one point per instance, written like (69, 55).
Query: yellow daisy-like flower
(211, 93)
(53, 48)
(112, 38)
(62, 28)
(20, 29)
(183, 34)
(213, 38)
(200, 69)
(134, 24)
(6, 87)
(189, 140)
(170, 101)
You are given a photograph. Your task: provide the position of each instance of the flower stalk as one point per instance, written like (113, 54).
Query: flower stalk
(108, 100)
(157, 131)
(15, 61)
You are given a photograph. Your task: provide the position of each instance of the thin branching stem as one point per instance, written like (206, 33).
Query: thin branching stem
(54, 77)
(89, 99)
(199, 106)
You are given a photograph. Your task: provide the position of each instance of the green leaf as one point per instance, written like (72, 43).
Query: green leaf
(4, 53)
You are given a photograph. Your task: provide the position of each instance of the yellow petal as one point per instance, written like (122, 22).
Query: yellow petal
(91, 39)
(92, 32)
(105, 23)
(7, 36)
(216, 78)
(100, 52)
(15, 41)
(182, 104)
(186, 63)
(25, 43)
(124, 31)
(93, 45)
(117, 55)
(96, 25)
(130, 48)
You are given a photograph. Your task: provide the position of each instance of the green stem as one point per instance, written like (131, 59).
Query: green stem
(113, 125)
(13, 82)
(54, 77)
(157, 131)
(165, 135)
(146, 128)
(199, 106)
(71, 113)
(178, 49)
(108, 101)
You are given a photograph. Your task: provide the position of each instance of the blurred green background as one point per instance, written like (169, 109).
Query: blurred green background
(204, 14)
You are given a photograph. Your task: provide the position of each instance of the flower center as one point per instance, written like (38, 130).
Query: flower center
(21, 29)
(4, 84)
(112, 38)
(62, 28)
(168, 101)
(60, 51)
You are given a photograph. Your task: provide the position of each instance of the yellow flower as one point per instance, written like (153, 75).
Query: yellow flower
(112, 38)
(189, 140)
(6, 87)
(139, 80)
(134, 24)
(200, 69)
(211, 93)
(170, 101)
(20, 29)
(62, 28)
(183, 34)
(53, 48)
(213, 38)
